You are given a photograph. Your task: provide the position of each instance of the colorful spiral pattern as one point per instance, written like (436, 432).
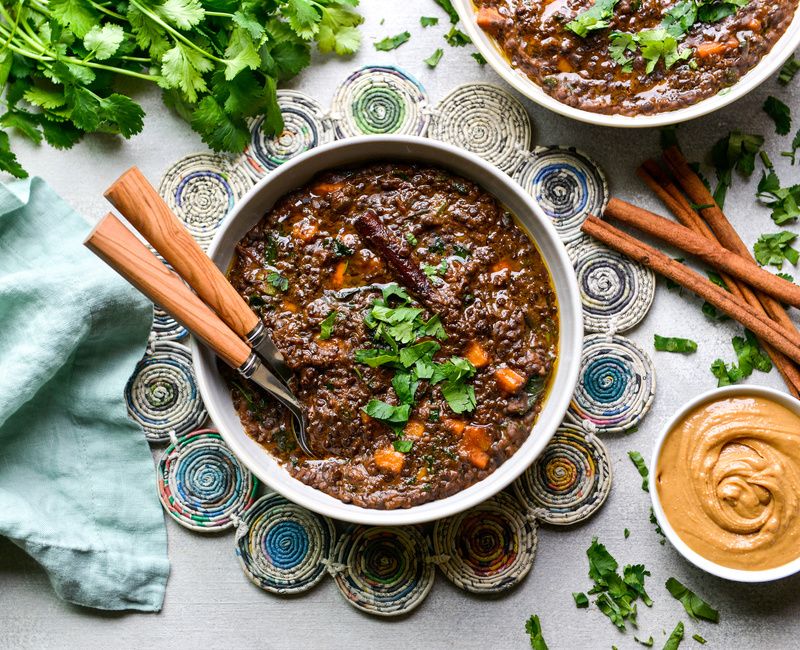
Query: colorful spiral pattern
(282, 547)
(487, 549)
(616, 386)
(570, 480)
(379, 100)
(305, 126)
(566, 184)
(201, 189)
(165, 327)
(202, 485)
(616, 292)
(485, 120)
(384, 571)
(162, 393)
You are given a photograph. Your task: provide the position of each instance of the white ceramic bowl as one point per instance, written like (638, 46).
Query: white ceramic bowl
(298, 171)
(737, 575)
(768, 65)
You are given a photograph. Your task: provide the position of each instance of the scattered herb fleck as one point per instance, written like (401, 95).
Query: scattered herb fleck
(456, 38)
(433, 60)
(598, 16)
(674, 640)
(479, 58)
(788, 71)
(695, 606)
(699, 639)
(392, 42)
(449, 10)
(534, 629)
(774, 248)
(581, 599)
(278, 281)
(784, 201)
(638, 461)
(626, 533)
(326, 326)
(659, 532)
(673, 344)
(735, 151)
(427, 21)
(649, 642)
(780, 113)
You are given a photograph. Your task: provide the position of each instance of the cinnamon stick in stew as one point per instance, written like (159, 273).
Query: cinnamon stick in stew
(712, 253)
(397, 255)
(663, 187)
(779, 337)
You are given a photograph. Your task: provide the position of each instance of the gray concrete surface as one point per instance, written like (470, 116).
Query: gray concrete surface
(209, 602)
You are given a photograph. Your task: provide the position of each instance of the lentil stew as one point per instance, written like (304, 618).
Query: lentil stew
(634, 57)
(421, 325)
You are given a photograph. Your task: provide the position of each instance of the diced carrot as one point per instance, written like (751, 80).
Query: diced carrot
(754, 25)
(489, 18)
(337, 281)
(422, 473)
(290, 306)
(509, 380)
(326, 188)
(304, 230)
(476, 354)
(414, 429)
(502, 265)
(479, 458)
(364, 417)
(454, 426)
(563, 65)
(477, 438)
(389, 460)
(705, 50)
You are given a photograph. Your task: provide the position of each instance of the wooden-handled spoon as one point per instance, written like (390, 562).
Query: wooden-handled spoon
(118, 247)
(139, 202)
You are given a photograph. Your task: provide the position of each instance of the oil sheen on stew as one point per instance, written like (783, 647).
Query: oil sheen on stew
(421, 325)
(634, 57)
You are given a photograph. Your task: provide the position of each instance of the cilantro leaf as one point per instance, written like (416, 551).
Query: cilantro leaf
(433, 60)
(581, 600)
(79, 15)
(327, 324)
(8, 161)
(780, 114)
(104, 41)
(647, 643)
(182, 67)
(392, 42)
(695, 606)
(534, 629)
(278, 281)
(638, 461)
(456, 38)
(673, 344)
(427, 21)
(184, 14)
(220, 131)
(374, 357)
(784, 201)
(449, 10)
(699, 639)
(674, 640)
(788, 71)
(479, 58)
(402, 445)
(679, 18)
(241, 53)
(774, 248)
(387, 413)
(735, 151)
(598, 16)
(405, 386)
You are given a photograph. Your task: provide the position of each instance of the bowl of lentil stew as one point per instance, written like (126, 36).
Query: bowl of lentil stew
(458, 389)
(633, 63)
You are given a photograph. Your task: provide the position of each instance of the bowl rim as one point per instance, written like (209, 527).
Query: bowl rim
(369, 148)
(783, 48)
(719, 570)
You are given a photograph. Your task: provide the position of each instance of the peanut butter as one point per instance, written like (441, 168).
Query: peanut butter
(728, 478)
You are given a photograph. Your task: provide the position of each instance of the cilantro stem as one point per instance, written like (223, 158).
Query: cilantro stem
(107, 11)
(220, 14)
(16, 23)
(175, 33)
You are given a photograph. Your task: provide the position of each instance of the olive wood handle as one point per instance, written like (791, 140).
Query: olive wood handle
(139, 202)
(118, 247)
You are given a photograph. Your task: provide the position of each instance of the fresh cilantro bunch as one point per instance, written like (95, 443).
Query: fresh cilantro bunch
(749, 356)
(218, 63)
(408, 344)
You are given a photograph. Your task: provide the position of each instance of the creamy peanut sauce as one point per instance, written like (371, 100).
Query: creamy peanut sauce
(728, 478)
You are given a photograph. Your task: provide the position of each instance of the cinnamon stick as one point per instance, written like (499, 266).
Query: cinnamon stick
(710, 252)
(397, 255)
(663, 187)
(773, 333)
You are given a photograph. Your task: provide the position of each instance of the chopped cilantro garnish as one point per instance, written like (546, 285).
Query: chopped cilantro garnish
(695, 606)
(340, 249)
(780, 113)
(435, 272)
(433, 60)
(479, 58)
(786, 276)
(648, 643)
(386, 412)
(448, 7)
(735, 151)
(433, 416)
(658, 530)
(626, 533)
(326, 326)
(680, 18)
(598, 16)
(456, 38)
(461, 251)
(581, 599)
(437, 246)
(270, 249)
(784, 201)
(402, 445)
(795, 146)
(699, 639)
(775, 248)
(534, 629)
(392, 42)
(749, 356)
(427, 21)
(411, 239)
(674, 640)
(673, 344)
(716, 278)
(638, 461)
(278, 281)
(618, 594)
(788, 71)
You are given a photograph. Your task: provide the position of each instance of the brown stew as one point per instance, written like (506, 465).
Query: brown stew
(413, 392)
(643, 56)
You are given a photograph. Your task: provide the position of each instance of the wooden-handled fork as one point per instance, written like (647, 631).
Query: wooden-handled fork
(139, 202)
(115, 244)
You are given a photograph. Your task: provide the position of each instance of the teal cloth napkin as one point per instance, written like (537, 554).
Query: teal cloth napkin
(77, 489)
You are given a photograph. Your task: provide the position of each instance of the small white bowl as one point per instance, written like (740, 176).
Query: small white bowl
(365, 149)
(737, 575)
(765, 68)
